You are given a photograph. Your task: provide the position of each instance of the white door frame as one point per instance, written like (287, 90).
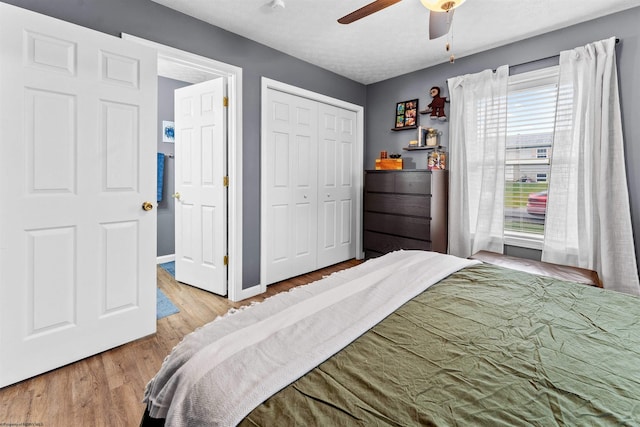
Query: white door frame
(200, 67)
(358, 161)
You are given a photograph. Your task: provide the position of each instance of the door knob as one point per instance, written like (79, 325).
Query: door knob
(176, 196)
(147, 206)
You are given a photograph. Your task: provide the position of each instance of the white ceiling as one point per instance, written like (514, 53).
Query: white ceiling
(393, 41)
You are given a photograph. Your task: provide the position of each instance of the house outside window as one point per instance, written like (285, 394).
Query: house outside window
(531, 113)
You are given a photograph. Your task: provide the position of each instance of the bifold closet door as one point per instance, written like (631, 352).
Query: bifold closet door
(309, 187)
(290, 190)
(336, 191)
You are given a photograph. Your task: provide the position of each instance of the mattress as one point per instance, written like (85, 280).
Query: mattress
(484, 346)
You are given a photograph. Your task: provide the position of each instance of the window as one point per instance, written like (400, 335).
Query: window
(531, 114)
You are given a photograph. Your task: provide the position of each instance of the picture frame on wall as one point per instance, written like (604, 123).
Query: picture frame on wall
(406, 115)
(168, 131)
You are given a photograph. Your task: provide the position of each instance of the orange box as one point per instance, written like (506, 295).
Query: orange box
(388, 164)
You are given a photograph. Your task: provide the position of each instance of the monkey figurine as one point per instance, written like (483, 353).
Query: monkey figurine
(436, 107)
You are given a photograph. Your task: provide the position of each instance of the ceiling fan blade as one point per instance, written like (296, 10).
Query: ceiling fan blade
(439, 23)
(366, 10)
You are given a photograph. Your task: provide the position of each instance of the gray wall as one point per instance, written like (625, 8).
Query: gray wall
(166, 208)
(151, 21)
(381, 97)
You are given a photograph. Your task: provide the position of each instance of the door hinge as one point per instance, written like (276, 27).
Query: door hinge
(226, 260)
(225, 181)
(225, 101)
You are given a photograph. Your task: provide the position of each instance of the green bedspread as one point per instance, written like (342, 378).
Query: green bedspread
(486, 346)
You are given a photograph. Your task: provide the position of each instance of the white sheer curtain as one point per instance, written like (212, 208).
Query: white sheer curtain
(477, 137)
(588, 221)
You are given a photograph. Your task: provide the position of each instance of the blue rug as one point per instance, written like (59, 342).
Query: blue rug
(169, 267)
(165, 306)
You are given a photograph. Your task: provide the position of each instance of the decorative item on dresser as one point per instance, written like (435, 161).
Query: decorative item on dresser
(405, 209)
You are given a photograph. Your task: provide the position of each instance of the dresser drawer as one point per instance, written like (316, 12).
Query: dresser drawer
(400, 204)
(383, 243)
(379, 182)
(404, 182)
(405, 226)
(413, 183)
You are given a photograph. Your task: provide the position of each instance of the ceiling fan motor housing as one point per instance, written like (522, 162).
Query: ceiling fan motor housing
(441, 5)
(448, 5)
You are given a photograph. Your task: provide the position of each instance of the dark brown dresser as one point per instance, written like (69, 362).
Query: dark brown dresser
(405, 209)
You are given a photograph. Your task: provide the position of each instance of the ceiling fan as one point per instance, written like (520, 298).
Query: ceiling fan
(440, 14)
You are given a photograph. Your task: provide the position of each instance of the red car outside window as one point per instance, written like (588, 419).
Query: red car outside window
(537, 203)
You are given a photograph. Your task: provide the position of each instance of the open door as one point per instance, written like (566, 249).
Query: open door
(201, 186)
(77, 164)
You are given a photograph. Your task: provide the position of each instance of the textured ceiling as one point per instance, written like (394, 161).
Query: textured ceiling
(395, 40)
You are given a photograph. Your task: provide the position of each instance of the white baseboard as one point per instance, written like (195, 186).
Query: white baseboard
(165, 258)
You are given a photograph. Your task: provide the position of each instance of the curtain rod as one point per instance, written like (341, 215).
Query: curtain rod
(543, 59)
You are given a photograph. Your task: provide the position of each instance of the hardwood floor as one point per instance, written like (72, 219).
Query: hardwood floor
(107, 389)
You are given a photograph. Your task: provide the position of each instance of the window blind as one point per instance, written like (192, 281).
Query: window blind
(532, 102)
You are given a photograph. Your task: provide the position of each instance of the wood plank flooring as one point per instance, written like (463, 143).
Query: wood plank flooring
(107, 389)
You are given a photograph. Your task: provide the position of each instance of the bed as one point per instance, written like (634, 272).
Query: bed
(411, 338)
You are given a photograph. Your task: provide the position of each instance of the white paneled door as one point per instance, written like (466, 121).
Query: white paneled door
(201, 192)
(336, 189)
(308, 190)
(291, 185)
(77, 163)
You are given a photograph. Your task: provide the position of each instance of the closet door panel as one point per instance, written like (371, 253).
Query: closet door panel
(291, 187)
(336, 192)
(305, 190)
(279, 179)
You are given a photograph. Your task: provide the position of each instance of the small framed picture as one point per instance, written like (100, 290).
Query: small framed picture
(406, 114)
(168, 131)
